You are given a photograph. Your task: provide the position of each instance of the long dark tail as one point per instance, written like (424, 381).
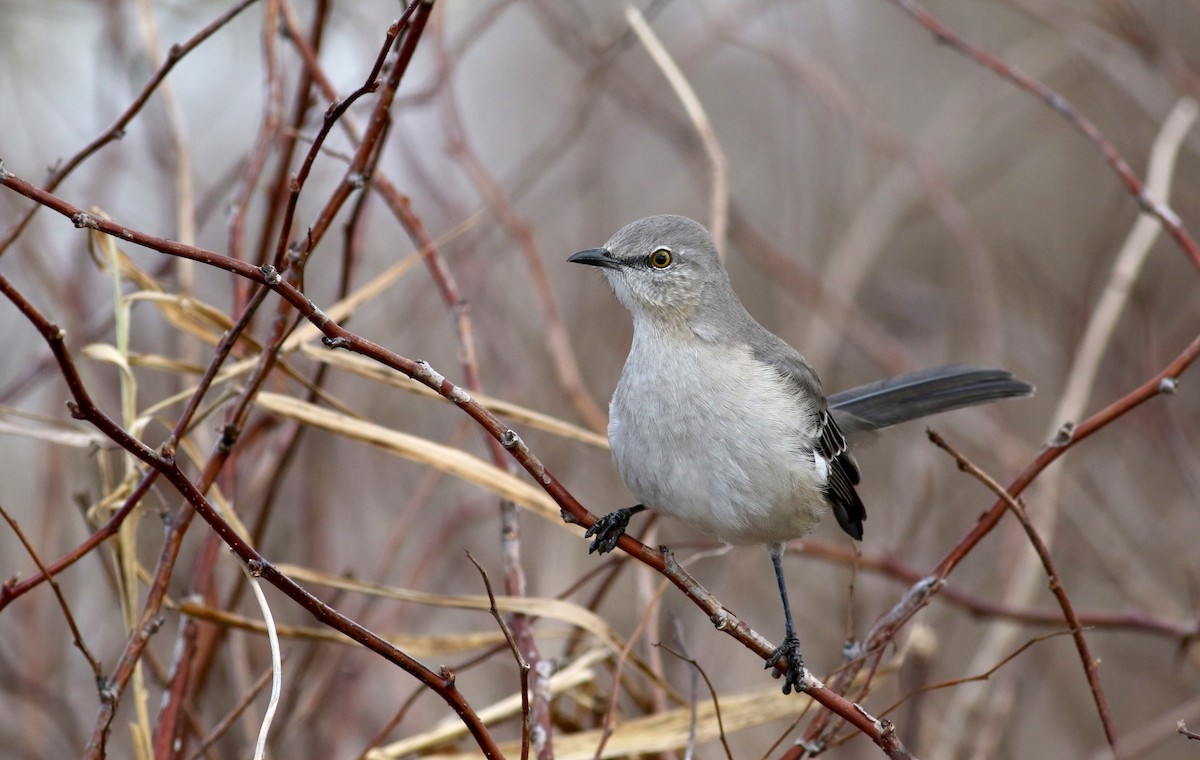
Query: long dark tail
(922, 393)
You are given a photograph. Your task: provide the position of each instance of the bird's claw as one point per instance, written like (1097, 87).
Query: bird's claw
(794, 678)
(607, 531)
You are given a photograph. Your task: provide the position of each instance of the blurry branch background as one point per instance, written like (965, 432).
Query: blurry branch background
(890, 204)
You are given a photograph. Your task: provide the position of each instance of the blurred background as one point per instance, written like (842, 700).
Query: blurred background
(884, 204)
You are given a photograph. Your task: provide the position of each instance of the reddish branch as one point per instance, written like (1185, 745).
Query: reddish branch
(1063, 107)
(1139, 622)
(236, 416)
(338, 337)
(164, 461)
(1165, 382)
(401, 207)
(117, 130)
(1056, 585)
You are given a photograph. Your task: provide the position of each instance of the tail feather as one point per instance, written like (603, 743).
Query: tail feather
(922, 393)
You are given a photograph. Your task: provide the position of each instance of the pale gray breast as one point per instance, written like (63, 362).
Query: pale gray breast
(707, 433)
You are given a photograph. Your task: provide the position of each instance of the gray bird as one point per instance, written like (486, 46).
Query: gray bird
(718, 422)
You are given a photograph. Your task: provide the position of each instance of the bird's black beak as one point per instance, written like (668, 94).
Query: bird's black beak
(596, 257)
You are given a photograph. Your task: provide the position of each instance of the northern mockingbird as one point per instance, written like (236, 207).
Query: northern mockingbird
(718, 422)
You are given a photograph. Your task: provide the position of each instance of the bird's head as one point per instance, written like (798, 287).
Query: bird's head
(660, 267)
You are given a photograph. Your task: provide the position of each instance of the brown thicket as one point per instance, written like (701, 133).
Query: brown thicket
(298, 269)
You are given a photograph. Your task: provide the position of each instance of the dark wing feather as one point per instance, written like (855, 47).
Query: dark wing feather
(843, 476)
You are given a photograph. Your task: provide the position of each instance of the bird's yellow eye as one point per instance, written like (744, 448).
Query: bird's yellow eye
(660, 259)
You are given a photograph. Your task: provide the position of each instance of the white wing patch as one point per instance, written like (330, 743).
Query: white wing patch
(822, 465)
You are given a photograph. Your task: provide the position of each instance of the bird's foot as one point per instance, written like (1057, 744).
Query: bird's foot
(795, 675)
(609, 529)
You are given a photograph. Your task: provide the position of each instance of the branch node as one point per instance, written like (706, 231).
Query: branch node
(76, 411)
(83, 219)
(1064, 435)
(255, 567)
(295, 253)
(460, 396)
(166, 454)
(270, 274)
(509, 439)
(104, 688)
(447, 677)
(1168, 385)
(338, 342)
(229, 436)
(852, 649)
(428, 375)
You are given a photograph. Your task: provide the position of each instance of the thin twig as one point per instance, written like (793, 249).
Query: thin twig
(58, 594)
(175, 54)
(522, 665)
(718, 215)
(978, 676)
(1157, 208)
(712, 691)
(1056, 585)
(610, 710)
(1183, 631)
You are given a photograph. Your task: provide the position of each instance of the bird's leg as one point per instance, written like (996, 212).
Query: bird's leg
(609, 528)
(790, 648)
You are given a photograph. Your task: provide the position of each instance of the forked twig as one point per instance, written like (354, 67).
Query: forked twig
(522, 665)
(1056, 585)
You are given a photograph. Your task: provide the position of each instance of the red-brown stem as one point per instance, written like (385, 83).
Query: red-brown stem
(278, 191)
(58, 594)
(115, 132)
(164, 462)
(268, 129)
(891, 567)
(338, 337)
(1157, 208)
(169, 732)
(1056, 585)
